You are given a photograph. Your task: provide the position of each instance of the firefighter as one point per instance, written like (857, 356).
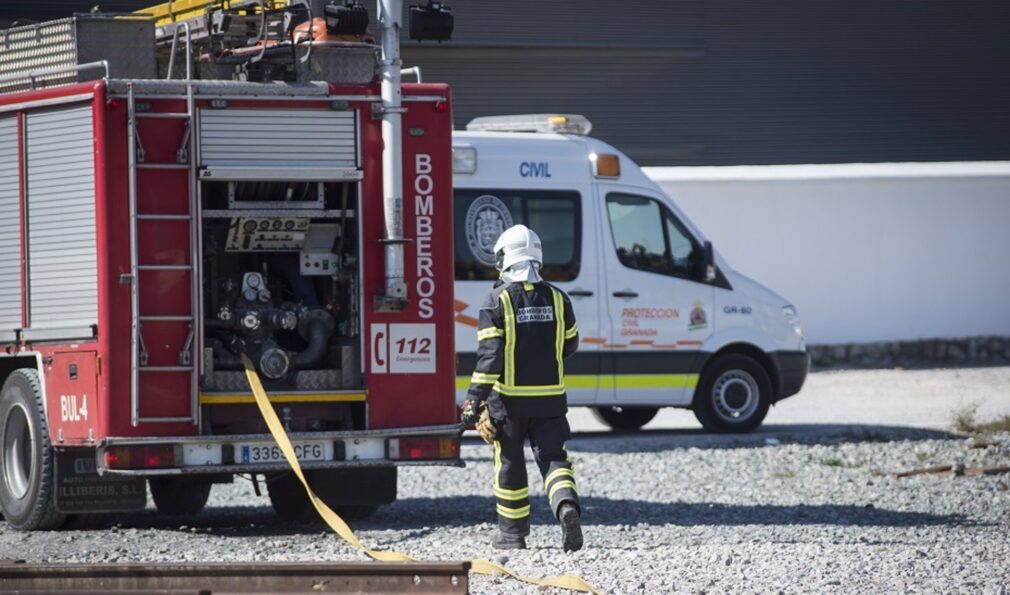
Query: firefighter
(517, 391)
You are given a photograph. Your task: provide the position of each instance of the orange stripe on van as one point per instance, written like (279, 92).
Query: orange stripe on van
(467, 320)
(593, 340)
(463, 318)
(641, 342)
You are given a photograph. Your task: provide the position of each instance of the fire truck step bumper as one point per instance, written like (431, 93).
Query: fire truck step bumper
(258, 453)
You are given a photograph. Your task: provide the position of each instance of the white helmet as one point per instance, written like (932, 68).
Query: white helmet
(515, 245)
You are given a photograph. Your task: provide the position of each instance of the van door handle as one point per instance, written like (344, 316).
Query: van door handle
(580, 293)
(627, 293)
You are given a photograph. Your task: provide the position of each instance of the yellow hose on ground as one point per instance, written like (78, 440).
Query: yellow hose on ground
(564, 581)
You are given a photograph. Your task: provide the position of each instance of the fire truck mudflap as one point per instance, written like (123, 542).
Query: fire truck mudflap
(79, 487)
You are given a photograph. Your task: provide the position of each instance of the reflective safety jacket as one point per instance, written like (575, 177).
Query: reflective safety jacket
(525, 332)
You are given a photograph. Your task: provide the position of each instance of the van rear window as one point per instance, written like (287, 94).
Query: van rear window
(481, 215)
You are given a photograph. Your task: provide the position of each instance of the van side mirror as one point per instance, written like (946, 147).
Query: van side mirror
(709, 262)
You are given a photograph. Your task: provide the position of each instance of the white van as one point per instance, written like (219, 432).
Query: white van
(664, 321)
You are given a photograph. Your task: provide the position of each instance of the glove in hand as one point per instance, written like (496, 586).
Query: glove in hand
(470, 414)
(485, 427)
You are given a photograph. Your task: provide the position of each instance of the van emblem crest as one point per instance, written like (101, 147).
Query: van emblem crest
(698, 319)
(486, 219)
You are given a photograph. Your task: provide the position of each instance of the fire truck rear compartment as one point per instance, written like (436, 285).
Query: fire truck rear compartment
(281, 285)
(170, 227)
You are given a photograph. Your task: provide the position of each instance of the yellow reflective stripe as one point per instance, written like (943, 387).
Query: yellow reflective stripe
(505, 494)
(649, 381)
(609, 381)
(528, 286)
(518, 491)
(570, 333)
(530, 387)
(481, 378)
(571, 381)
(559, 333)
(510, 337)
(514, 513)
(530, 391)
(558, 473)
(490, 333)
(239, 398)
(631, 381)
(559, 485)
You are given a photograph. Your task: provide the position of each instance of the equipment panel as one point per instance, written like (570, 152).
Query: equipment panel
(72, 395)
(266, 234)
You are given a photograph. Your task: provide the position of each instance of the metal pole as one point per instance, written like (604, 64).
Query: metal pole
(189, 51)
(414, 70)
(195, 229)
(390, 13)
(131, 151)
(172, 50)
(189, 62)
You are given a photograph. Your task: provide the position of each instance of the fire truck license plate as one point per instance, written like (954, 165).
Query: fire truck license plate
(271, 453)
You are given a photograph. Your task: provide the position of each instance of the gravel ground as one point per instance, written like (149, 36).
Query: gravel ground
(804, 505)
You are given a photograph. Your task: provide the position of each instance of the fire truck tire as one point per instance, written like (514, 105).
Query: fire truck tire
(625, 418)
(289, 499)
(28, 490)
(733, 394)
(179, 495)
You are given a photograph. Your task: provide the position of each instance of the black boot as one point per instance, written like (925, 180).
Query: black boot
(504, 541)
(571, 529)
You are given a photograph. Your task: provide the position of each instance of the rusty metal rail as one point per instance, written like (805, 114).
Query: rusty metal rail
(208, 578)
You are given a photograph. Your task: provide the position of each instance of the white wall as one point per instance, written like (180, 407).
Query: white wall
(866, 252)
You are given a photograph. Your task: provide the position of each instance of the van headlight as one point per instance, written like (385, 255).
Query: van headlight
(793, 319)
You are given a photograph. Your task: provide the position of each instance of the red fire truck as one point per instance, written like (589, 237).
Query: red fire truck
(203, 181)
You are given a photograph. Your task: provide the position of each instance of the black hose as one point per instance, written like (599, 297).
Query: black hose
(318, 332)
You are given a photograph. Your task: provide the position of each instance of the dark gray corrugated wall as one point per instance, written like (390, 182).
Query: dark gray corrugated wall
(734, 81)
(44, 10)
(743, 81)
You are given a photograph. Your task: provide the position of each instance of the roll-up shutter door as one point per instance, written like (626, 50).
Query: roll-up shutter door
(62, 264)
(10, 229)
(278, 138)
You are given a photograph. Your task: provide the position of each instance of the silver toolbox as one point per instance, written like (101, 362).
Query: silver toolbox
(127, 44)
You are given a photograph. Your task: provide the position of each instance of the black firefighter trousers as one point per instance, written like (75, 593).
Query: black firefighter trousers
(547, 436)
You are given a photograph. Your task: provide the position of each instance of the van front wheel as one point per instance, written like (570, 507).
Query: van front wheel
(733, 395)
(625, 418)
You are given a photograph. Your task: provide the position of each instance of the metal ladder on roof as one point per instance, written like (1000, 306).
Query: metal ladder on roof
(151, 373)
